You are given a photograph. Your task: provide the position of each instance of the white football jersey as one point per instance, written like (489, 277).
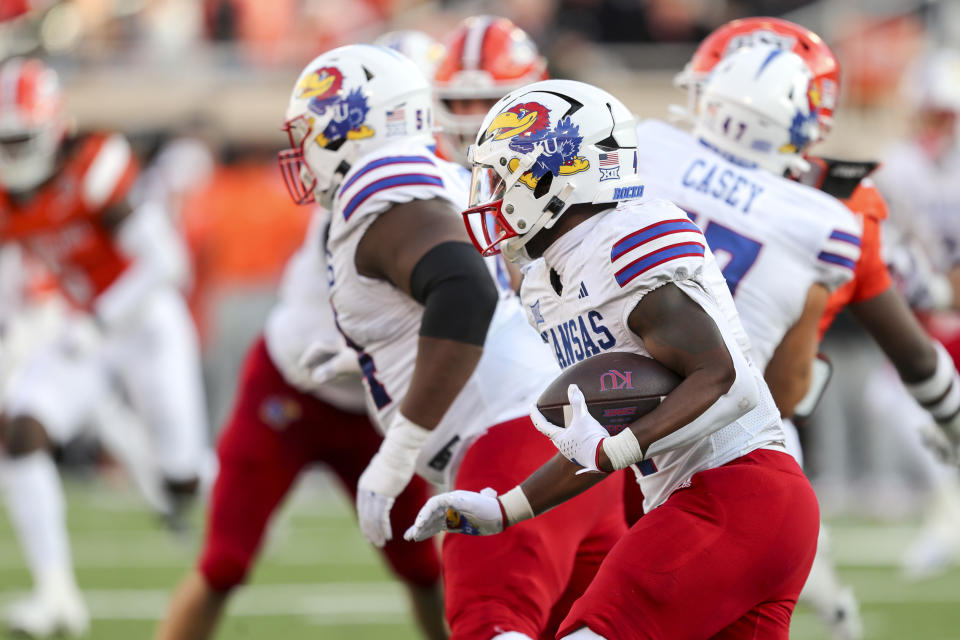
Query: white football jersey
(773, 238)
(382, 323)
(303, 317)
(622, 255)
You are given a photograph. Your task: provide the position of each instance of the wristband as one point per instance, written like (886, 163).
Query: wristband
(405, 433)
(393, 465)
(622, 449)
(940, 393)
(515, 506)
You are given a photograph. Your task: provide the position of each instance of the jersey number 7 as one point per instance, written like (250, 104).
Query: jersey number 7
(743, 251)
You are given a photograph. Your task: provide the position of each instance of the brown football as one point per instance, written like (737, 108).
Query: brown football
(618, 387)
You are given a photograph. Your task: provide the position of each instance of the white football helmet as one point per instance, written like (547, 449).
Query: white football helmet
(425, 52)
(32, 123)
(540, 149)
(760, 108)
(346, 103)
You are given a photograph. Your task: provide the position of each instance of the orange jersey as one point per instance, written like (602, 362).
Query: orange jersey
(61, 223)
(870, 276)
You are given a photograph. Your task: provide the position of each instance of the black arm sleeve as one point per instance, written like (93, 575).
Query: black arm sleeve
(453, 284)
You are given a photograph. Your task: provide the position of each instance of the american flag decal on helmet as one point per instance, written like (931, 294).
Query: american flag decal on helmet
(610, 159)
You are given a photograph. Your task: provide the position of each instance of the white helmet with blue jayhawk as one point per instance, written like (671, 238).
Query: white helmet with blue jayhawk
(346, 103)
(540, 149)
(760, 107)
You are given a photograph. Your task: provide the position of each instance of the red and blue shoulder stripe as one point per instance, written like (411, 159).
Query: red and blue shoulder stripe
(841, 248)
(640, 251)
(407, 171)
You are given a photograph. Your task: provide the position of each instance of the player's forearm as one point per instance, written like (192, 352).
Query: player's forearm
(158, 256)
(953, 277)
(442, 369)
(717, 387)
(556, 482)
(790, 370)
(888, 319)
(696, 402)
(788, 385)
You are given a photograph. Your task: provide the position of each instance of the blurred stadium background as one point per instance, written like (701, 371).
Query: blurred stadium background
(200, 87)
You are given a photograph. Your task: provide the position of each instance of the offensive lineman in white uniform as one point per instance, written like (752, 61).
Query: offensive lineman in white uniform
(282, 423)
(730, 517)
(449, 364)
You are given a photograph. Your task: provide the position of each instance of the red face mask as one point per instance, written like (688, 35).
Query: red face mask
(484, 219)
(297, 175)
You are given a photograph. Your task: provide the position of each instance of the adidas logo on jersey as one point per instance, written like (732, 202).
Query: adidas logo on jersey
(535, 310)
(583, 291)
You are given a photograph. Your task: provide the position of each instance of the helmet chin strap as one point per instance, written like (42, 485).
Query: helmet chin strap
(515, 249)
(325, 197)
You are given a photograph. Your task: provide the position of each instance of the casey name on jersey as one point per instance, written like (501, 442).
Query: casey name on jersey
(576, 339)
(727, 186)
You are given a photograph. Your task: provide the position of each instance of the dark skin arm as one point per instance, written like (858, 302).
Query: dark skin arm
(893, 326)
(954, 276)
(679, 334)
(789, 370)
(112, 217)
(556, 482)
(389, 250)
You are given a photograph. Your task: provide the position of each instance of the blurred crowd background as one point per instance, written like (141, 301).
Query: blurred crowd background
(200, 86)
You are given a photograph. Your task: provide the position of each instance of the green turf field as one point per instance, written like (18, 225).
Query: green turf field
(319, 580)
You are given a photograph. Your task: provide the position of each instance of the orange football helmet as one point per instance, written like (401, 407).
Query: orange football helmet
(32, 123)
(486, 58)
(782, 33)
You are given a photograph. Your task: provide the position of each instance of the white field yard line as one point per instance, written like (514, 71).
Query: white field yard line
(329, 603)
(143, 549)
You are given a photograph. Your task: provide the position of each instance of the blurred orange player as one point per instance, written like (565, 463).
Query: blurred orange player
(486, 58)
(856, 190)
(64, 201)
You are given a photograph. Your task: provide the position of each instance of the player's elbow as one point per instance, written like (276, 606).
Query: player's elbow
(721, 376)
(736, 383)
(457, 292)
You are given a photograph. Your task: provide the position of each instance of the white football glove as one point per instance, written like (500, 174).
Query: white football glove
(373, 513)
(944, 440)
(467, 512)
(386, 476)
(578, 442)
(328, 363)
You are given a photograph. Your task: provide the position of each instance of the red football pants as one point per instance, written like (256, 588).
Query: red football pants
(273, 433)
(525, 578)
(724, 558)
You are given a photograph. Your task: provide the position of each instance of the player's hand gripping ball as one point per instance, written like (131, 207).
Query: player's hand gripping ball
(597, 398)
(579, 441)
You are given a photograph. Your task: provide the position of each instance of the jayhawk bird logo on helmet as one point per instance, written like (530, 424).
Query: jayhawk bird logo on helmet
(324, 88)
(527, 126)
(803, 128)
